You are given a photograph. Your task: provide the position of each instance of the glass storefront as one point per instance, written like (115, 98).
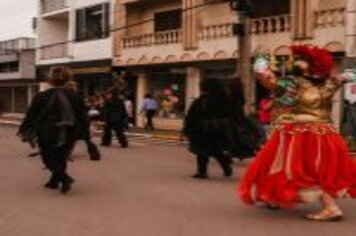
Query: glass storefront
(168, 89)
(15, 99)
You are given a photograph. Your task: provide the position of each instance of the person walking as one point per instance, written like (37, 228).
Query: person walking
(210, 127)
(115, 115)
(305, 160)
(85, 133)
(130, 113)
(149, 108)
(53, 122)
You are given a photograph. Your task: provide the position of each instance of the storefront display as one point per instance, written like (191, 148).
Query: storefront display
(169, 91)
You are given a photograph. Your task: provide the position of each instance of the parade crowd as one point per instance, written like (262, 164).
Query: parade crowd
(299, 156)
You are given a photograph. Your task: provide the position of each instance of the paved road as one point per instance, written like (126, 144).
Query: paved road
(141, 191)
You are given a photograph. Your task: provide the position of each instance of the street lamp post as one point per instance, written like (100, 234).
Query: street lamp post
(242, 31)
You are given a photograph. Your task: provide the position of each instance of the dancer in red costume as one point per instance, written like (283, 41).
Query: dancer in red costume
(305, 160)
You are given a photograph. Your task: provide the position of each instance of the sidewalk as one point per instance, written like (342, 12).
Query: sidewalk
(170, 135)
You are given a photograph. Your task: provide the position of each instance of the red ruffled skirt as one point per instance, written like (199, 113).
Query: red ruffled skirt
(300, 157)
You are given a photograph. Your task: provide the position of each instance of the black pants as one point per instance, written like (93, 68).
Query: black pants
(118, 128)
(55, 160)
(149, 116)
(203, 161)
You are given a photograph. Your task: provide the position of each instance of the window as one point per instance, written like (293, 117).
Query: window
(263, 8)
(168, 20)
(168, 89)
(9, 67)
(93, 22)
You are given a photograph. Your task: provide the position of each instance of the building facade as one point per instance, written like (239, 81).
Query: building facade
(17, 75)
(172, 45)
(76, 33)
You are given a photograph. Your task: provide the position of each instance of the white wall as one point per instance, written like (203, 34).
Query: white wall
(92, 50)
(79, 51)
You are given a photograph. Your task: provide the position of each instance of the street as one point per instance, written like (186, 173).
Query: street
(145, 190)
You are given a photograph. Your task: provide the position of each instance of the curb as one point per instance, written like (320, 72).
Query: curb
(130, 134)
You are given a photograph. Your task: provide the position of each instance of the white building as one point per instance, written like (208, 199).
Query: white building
(17, 75)
(76, 33)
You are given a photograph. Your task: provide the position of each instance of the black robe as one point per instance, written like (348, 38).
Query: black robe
(216, 127)
(56, 117)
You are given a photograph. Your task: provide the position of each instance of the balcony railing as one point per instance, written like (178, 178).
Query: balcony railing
(216, 31)
(159, 38)
(272, 24)
(54, 51)
(266, 25)
(52, 5)
(330, 18)
(15, 45)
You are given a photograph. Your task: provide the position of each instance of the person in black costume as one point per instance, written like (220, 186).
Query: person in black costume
(92, 149)
(54, 122)
(210, 127)
(249, 136)
(115, 115)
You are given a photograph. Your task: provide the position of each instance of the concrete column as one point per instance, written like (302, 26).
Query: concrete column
(302, 18)
(141, 91)
(71, 32)
(351, 29)
(190, 31)
(309, 18)
(192, 85)
(29, 94)
(120, 20)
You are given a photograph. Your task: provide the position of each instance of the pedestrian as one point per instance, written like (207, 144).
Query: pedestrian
(210, 127)
(53, 122)
(114, 115)
(305, 159)
(84, 133)
(130, 113)
(149, 108)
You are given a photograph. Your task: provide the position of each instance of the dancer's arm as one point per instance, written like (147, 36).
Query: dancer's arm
(263, 72)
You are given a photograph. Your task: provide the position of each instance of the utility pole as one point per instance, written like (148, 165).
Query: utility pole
(243, 11)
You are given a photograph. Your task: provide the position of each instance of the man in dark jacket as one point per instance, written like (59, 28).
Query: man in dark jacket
(54, 122)
(115, 116)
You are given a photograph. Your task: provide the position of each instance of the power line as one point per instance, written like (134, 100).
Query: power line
(130, 25)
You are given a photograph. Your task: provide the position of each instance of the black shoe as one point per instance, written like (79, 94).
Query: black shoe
(125, 145)
(200, 176)
(228, 172)
(105, 145)
(51, 185)
(67, 185)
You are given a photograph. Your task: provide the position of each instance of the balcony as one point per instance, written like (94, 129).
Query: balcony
(215, 42)
(159, 38)
(16, 45)
(329, 29)
(55, 51)
(48, 6)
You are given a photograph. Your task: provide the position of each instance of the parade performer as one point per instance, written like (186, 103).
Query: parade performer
(212, 129)
(53, 123)
(305, 159)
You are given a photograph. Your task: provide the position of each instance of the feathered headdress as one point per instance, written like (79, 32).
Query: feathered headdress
(321, 60)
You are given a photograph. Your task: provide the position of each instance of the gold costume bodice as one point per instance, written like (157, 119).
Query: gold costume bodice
(313, 102)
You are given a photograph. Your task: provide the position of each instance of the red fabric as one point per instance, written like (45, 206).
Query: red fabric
(335, 172)
(264, 113)
(320, 59)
